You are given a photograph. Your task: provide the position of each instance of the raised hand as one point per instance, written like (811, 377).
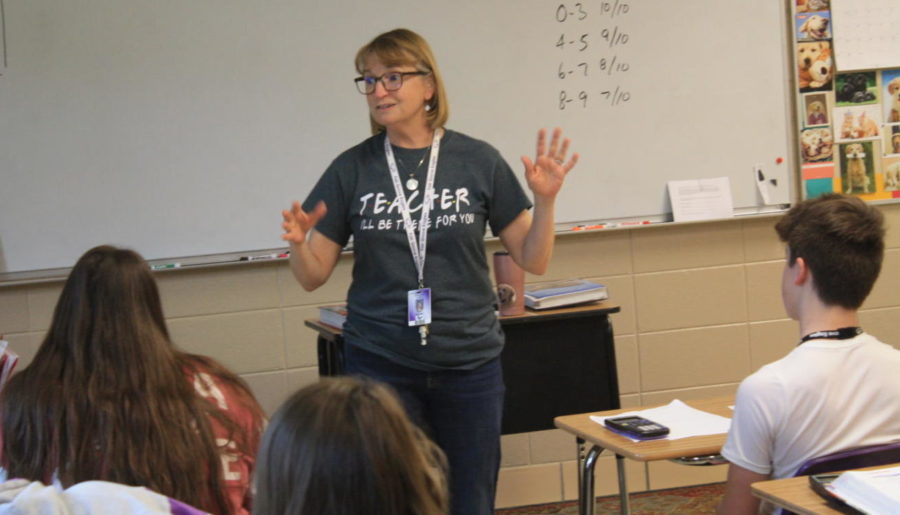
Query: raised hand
(297, 222)
(545, 175)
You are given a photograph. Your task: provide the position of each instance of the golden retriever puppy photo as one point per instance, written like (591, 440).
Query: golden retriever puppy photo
(814, 26)
(815, 68)
(893, 90)
(815, 113)
(817, 145)
(807, 53)
(895, 144)
(804, 6)
(892, 176)
(856, 178)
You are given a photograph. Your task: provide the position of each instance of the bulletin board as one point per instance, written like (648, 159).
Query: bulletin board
(847, 65)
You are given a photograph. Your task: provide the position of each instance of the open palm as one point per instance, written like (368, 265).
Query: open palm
(546, 174)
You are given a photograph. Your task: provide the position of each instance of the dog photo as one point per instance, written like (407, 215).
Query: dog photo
(805, 6)
(856, 88)
(858, 167)
(892, 140)
(813, 26)
(816, 107)
(860, 122)
(891, 81)
(815, 66)
(892, 173)
(817, 145)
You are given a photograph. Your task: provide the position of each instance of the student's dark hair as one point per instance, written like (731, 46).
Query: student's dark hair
(403, 47)
(345, 446)
(107, 396)
(841, 238)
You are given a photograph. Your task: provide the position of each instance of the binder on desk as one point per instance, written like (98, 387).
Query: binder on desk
(553, 294)
(335, 315)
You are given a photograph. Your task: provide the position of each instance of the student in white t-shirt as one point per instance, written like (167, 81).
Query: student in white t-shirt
(840, 387)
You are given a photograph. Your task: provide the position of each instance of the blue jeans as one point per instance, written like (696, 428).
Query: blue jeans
(461, 410)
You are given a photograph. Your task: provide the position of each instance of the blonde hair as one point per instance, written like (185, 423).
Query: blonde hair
(404, 47)
(344, 446)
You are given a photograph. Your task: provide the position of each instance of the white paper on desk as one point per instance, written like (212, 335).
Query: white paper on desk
(682, 420)
(701, 199)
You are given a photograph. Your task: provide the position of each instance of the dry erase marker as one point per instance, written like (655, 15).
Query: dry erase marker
(627, 224)
(264, 257)
(588, 227)
(166, 266)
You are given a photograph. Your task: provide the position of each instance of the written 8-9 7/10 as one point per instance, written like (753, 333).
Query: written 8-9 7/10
(612, 97)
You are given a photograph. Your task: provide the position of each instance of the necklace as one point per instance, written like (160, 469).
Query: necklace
(411, 182)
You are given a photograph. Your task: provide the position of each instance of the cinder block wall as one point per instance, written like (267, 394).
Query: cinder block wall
(701, 309)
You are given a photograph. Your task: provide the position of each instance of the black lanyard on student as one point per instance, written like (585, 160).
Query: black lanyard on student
(844, 333)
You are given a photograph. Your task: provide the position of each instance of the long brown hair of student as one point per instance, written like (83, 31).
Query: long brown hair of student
(344, 446)
(108, 396)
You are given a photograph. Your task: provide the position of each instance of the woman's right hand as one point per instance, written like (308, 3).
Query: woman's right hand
(297, 222)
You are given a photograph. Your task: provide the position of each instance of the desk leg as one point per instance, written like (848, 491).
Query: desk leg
(325, 349)
(331, 355)
(624, 505)
(579, 452)
(586, 493)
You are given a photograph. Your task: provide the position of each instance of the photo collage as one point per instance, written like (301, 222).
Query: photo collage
(849, 122)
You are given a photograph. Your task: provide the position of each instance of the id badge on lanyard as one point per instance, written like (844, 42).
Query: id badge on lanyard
(418, 302)
(418, 307)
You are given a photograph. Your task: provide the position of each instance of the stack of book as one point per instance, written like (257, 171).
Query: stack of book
(335, 315)
(554, 294)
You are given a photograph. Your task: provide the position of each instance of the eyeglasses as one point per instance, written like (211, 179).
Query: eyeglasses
(391, 81)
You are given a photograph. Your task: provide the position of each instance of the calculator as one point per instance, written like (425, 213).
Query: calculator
(637, 427)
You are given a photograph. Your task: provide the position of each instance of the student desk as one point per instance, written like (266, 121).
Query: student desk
(555, 362)
(795, 494)
(586, 430)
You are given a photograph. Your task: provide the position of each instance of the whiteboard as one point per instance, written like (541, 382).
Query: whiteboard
(182, 128)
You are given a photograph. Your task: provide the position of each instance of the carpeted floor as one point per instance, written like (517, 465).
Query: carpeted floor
(689, 500)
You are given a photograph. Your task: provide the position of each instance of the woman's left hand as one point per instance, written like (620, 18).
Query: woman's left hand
(545, 175)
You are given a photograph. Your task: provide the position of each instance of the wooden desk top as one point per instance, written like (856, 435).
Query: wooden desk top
(563, 312)
(583, 427)
(795, 494)
(528, 316)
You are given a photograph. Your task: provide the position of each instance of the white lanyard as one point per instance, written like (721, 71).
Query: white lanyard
(418, 251)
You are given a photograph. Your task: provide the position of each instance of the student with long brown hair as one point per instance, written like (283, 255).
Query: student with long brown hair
(109, 397)
(345, 446)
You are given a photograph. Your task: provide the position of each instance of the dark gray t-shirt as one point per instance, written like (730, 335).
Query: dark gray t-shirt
(474, 186)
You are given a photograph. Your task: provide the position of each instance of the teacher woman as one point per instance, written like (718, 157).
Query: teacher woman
(415, 197)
